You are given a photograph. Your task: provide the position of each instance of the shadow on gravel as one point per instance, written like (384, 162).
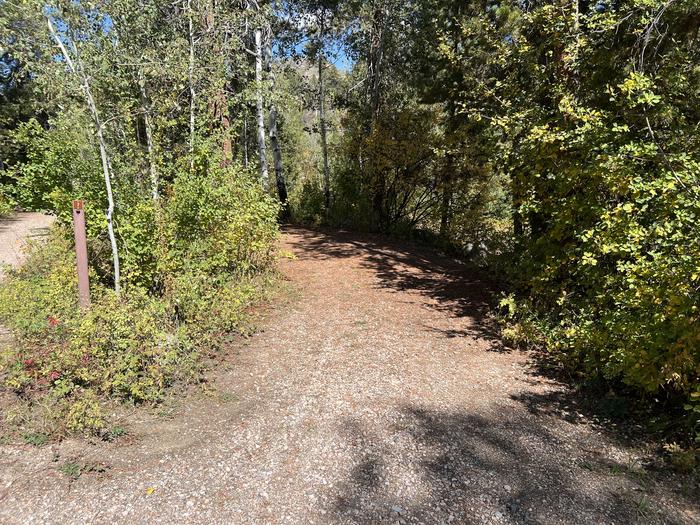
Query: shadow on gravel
(474, 469)
(447, 284)
(450, 286)
(622, 419)
(7, 222)
(470, 469)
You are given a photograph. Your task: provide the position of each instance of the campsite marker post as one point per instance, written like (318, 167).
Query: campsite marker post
(81, 254)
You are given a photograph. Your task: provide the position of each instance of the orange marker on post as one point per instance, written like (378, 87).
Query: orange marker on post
(81, 253)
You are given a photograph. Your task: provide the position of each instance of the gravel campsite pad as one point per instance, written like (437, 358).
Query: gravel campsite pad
(16, 230)
(377, 393)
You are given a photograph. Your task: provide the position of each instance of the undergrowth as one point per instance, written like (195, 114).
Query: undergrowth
(62, 366)
(668, 414)
(6, 206)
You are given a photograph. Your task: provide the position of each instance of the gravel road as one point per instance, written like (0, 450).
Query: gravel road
(377, 393)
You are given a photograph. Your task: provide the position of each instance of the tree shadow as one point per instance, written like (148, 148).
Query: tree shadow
(7, 222)
(471, 468)
(446, 284)
(453, 287)
(468, 459)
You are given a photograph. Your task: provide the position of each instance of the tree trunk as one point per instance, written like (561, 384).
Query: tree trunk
(145, 107)
(379, 204)
(322, 117)
(218, 104)
(446, 198)
(274, 139)
(245, 141)
(375, 61)
(448, 176)
(190, 74)
(517, 226)
(446, 205)
(277, 154)
(246, 6)
(264, 176)
(225, 119)
(106, 166)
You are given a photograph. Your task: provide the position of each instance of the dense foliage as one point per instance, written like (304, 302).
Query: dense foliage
(592, 107)
(123, 116)
(553, 141)
(181, 296)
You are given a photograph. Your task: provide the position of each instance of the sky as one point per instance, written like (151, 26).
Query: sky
(335, 54)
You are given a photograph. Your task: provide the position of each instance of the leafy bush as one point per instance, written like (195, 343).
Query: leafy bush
(60, 165)
(193, 263)
(613, 255)
(6, 206)
(221, 222)
(124, 348)
(42, 291)
(306, 202)
(598, 139)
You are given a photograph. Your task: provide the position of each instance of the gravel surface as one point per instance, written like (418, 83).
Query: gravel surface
(16, 230)
(376, 394)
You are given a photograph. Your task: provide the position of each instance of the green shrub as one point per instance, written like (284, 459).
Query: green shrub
(212, 305)
(35, 438)
(123, 348)
(193, 263)
(614, 277)
(61, 165)
(6, 205)
(140, 227)
(220, 222)
(306, 202)
(84, 413)
(37, 300)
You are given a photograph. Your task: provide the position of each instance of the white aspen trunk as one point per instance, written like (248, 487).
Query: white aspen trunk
(149, 139)
(260, 113)
(246, 6)
(191, 82)
(106, 166)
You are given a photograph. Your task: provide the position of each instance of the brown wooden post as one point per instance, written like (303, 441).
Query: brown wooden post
(81, 254)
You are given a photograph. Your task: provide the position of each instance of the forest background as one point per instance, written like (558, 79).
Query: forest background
(554, 143)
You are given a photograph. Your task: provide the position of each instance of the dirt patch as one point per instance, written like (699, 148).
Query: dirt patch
(379, 395)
